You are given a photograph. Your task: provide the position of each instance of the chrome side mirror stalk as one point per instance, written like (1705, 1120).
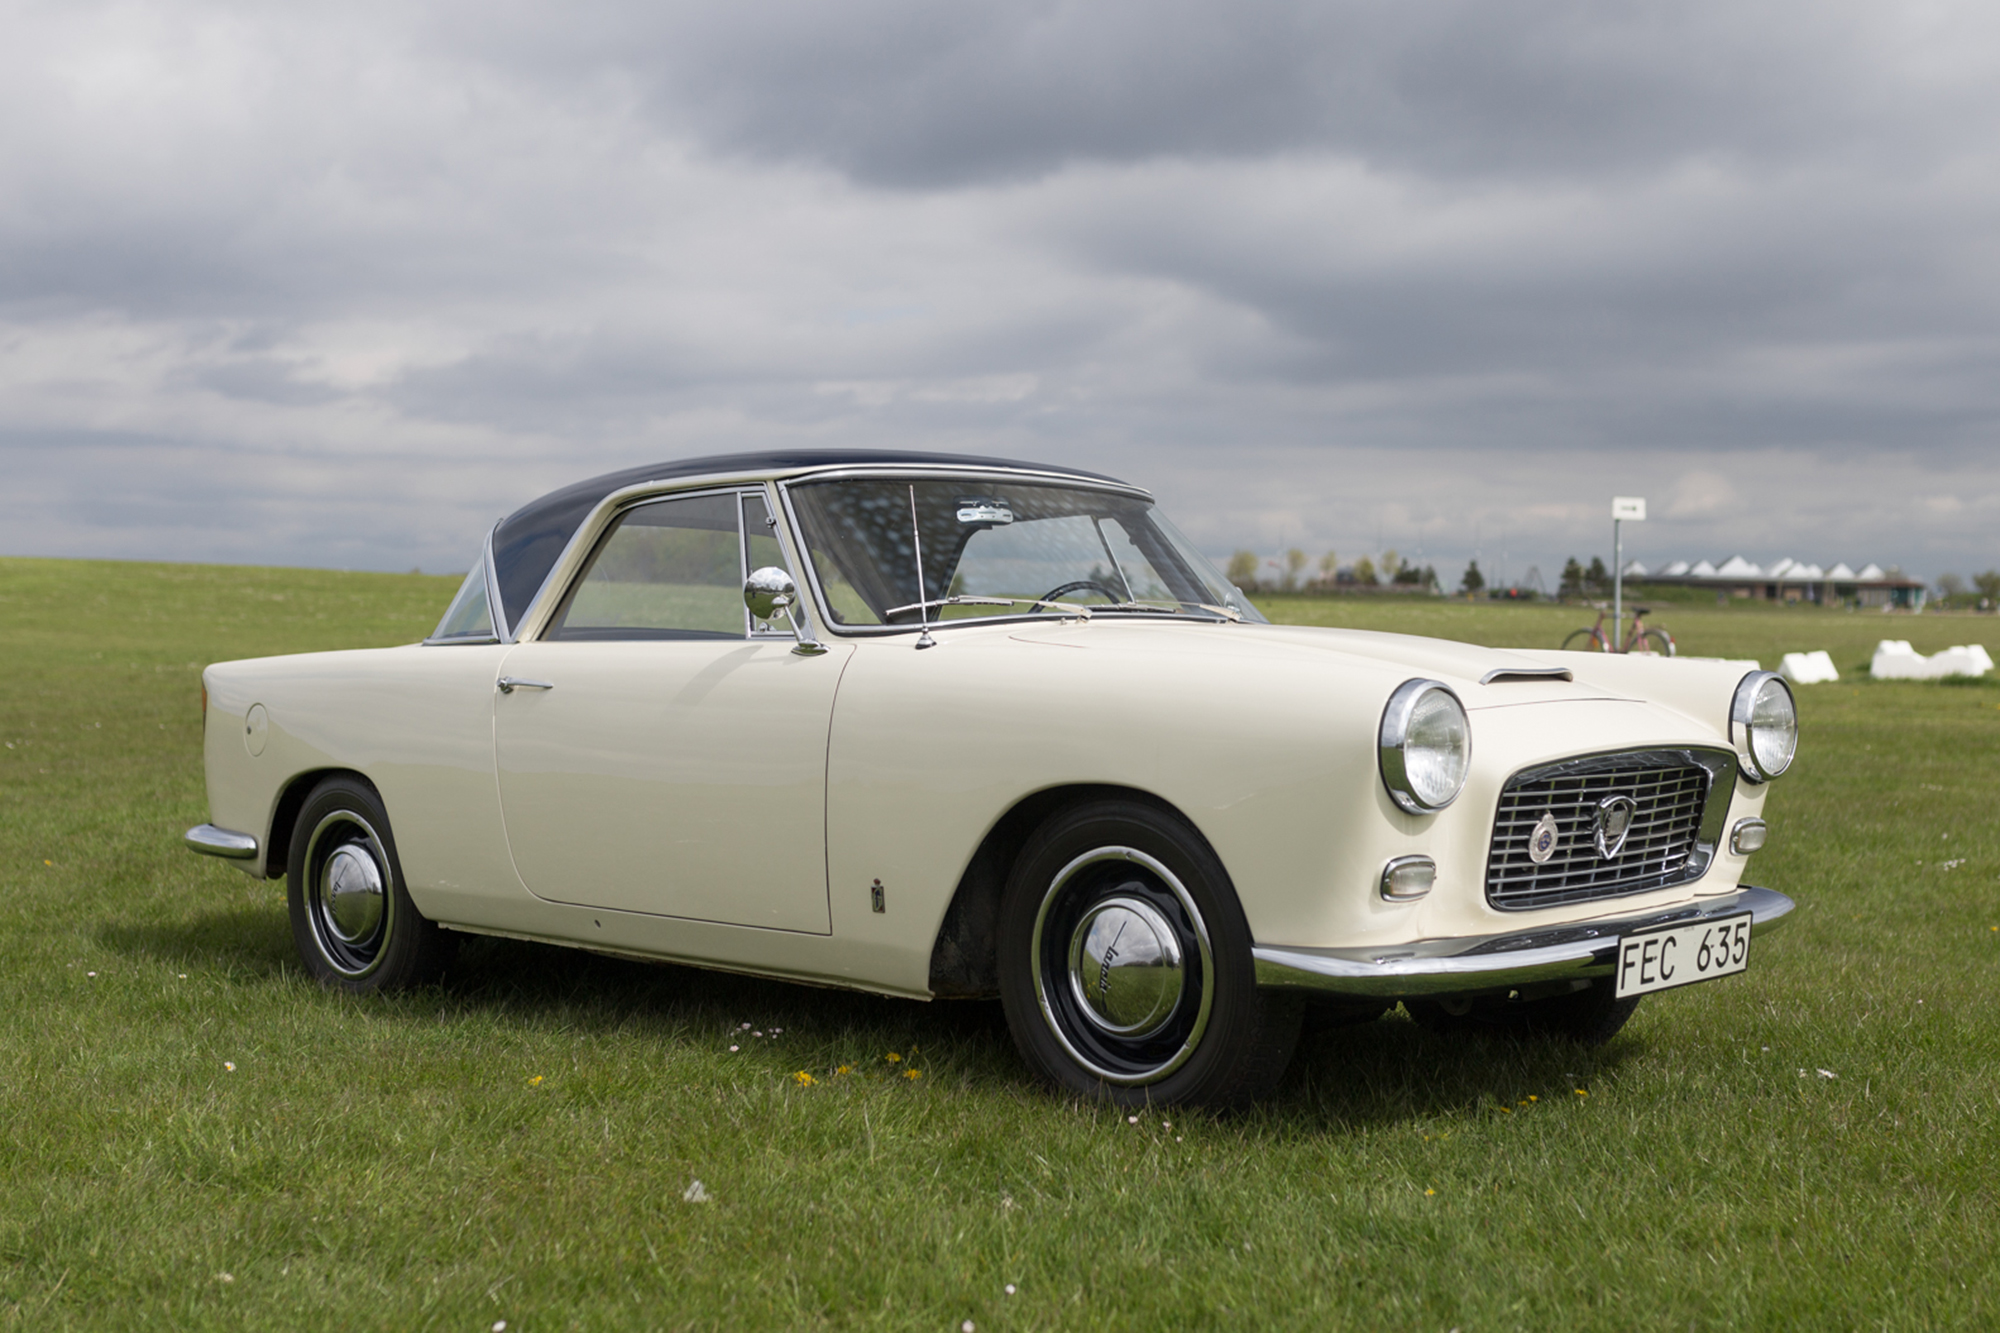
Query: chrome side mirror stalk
(770, 590)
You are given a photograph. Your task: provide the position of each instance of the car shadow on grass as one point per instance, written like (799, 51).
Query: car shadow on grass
(250, 941)
(1341, 1079)
(1392, 1070)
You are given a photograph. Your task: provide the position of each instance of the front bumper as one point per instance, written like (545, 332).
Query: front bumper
(1576, 951)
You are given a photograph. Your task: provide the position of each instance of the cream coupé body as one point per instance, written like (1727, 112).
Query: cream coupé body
(1155, 830)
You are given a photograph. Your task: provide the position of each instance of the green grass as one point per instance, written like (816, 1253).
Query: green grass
(393, 1164)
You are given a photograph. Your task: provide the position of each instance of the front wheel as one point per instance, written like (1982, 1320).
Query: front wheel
(1125, 967)
(354, 924)
(1582, 640)
(1655, 641)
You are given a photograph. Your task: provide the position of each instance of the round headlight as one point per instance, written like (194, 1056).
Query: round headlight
(1764, 725)
(1426, 746)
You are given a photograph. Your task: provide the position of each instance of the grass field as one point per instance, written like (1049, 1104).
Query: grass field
(193, 1136)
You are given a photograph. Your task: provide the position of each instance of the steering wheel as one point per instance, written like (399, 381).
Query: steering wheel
(1079, 585)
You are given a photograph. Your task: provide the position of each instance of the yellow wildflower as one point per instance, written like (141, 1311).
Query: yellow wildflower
(535, 1082)
(803, 1079)
(893, 1058)
(913, 1073)
(844, 1069)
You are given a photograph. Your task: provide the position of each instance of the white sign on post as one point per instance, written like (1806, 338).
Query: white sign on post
(1628, 507)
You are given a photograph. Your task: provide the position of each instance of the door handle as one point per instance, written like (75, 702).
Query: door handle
(508, 684)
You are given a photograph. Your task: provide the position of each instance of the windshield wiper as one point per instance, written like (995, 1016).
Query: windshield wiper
(962, 600)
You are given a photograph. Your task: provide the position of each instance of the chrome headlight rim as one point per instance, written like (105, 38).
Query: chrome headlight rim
(1743, 732)
(1394, 735)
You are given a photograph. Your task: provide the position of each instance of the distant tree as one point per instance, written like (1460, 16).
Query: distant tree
(1243, 569)
(1951, 585)
(1409, 576)
(1295, 561)
(1429, 582)
(1329, 567)
(1988, 585)
(1390, 565)
(1572, 580)
(1597, 577)
(1364, 572)
(1473, 580)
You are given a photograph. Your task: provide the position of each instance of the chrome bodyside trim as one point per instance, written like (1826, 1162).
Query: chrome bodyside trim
(1526, 673)
(1578, 950)
(1393, 733)
(212, 841)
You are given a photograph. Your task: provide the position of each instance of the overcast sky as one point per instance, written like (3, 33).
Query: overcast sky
(342, 284)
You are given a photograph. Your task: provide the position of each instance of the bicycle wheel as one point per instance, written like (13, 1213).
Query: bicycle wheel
(1584, 640)
(1655, 641)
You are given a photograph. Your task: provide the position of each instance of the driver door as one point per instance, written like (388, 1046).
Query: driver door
(664, 753)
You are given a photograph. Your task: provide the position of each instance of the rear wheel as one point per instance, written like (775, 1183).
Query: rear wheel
(354, 924)
(1589, 1017)
(1125, 965)
(1584, 640)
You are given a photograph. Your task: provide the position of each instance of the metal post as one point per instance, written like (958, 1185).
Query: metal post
(1617, 585)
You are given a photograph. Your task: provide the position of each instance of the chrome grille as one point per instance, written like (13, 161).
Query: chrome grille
(1666, 843)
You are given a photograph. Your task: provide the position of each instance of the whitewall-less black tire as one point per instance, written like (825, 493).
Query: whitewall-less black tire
(1125, 965)
(353, 921)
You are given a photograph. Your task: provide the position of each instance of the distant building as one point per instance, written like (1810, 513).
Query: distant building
(1792, 581)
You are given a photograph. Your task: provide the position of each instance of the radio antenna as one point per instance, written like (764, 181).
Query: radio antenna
(924, 639)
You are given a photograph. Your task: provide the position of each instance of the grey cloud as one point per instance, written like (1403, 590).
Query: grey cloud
(912, 94)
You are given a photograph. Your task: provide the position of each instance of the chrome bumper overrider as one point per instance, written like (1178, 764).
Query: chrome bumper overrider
(212, 841)
(1487, 962)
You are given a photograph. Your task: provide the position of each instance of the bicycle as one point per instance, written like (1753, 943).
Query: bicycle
(1642, 640)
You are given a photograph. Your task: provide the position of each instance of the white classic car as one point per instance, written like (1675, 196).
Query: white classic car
(940, 726)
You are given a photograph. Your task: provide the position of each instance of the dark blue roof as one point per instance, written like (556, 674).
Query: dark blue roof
(528, 541)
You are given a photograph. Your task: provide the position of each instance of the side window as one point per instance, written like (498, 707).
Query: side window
(672, 569)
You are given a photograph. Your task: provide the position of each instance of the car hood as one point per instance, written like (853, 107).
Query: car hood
(1461, 665)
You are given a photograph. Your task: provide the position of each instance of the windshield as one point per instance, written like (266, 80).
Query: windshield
(1000, 548)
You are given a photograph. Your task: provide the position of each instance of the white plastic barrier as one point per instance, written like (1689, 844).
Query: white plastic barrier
(1808, 668)
(1896, 660)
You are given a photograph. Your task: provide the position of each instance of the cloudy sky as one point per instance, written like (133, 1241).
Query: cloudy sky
(341, 284)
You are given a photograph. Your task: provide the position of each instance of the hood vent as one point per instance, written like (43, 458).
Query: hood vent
(1526, 673)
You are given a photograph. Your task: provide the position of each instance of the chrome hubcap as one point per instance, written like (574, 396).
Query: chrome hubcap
(1122, 966)
(349, 900)
(1125, 967)
(352, 889)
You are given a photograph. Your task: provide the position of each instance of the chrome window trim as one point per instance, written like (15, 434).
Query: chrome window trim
(496, 610)
(571, 564)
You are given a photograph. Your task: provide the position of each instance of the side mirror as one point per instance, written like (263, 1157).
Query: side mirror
(770, 590)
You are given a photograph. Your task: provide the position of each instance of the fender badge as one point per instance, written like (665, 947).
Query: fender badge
(1613, 823)
(1543, 837)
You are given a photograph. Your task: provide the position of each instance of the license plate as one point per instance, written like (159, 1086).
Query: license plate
(1682, 955)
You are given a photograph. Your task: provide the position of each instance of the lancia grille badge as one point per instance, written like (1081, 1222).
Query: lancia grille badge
(1613, 823)
(1543, 837)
